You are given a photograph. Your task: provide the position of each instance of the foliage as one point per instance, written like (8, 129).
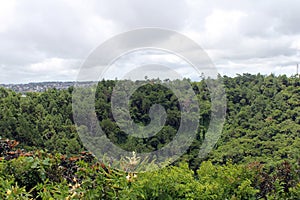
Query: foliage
(31, 177)
(257, 156)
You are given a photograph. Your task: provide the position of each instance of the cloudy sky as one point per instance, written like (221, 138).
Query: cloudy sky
(49, 40)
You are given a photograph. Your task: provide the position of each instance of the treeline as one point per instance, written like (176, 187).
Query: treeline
(262, 119)
(261, 131)
(39, 120)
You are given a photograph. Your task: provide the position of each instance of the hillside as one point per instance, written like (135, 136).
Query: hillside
(258, 150)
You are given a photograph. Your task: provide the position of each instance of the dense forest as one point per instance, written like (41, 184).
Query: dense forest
(257, 156)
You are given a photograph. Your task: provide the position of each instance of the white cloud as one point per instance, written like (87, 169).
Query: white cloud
(151, 58)
(49, 39)
(52, 64)
(7, 11)
(220, 24)
(296, 44)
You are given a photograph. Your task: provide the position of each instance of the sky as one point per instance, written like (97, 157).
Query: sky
(49, 40)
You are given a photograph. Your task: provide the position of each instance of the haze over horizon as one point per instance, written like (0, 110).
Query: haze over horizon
(49, 40)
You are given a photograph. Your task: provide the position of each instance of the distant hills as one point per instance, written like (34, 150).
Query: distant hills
(43, 86)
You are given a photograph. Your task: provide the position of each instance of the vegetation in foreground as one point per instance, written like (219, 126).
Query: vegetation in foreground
(40, 175)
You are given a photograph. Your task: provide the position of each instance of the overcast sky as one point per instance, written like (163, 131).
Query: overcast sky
(48, 40)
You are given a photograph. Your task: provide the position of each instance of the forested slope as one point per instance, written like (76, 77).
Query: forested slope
(262, 120)
(258, 152)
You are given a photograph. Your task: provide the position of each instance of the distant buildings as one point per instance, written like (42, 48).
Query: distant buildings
(43, 86)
